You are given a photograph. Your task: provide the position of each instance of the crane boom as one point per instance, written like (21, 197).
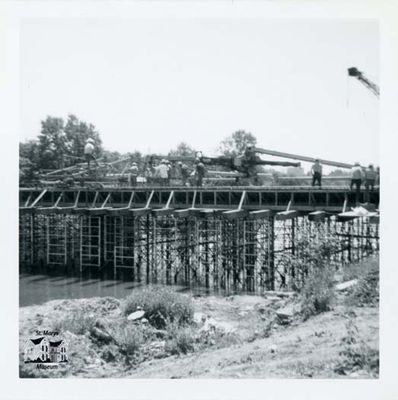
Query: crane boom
(364, 80)
(302, 158)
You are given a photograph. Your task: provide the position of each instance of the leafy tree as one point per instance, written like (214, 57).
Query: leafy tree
(339, 172)
(62, 144)
(51, 143)
(28, 159)
(76, 134)
(236, 143)
(183, 149)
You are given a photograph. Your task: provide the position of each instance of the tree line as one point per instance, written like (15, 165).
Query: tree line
(60, 144)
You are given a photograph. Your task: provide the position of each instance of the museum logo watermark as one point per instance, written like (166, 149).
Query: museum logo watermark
(47, 350)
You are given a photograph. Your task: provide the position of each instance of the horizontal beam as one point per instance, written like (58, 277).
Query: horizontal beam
(139, 212)
(162, 211)
(232, 214)
(317, 215)
(374, 219)
(302, 158)
(285, 215)
(261, 214)
(347, 216)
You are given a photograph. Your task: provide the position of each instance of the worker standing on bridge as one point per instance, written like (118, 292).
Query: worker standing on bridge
(200, 173)
(89, 152)
(162, 172)
(356, 179)
(133, 174)
(378, 177)
(316, 173)
(184, 171)
(370, 178)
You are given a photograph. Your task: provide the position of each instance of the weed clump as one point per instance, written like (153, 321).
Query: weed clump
(78, 323)
(129, 338)
(314, 275)
(356, 354)
(161, 305)
(366, 292)
(181, 340)
(317, 294)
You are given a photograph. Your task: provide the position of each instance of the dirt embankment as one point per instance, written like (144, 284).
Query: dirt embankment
(229, 337)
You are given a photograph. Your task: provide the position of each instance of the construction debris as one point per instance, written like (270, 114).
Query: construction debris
(346, 285)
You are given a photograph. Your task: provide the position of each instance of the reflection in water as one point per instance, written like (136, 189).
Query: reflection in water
(37, 289)
(40, 286)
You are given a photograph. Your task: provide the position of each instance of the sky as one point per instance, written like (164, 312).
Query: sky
(149, 84)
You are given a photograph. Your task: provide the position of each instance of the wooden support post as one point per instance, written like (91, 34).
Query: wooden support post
(166, 210)
(271, 256)
(242, 199)
(39, 197)
(106, 200)
(95, 199)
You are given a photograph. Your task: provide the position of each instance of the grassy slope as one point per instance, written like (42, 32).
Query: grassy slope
(299, 350)
(308, 349)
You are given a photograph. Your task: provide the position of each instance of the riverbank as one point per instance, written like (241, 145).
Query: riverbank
(214, 337)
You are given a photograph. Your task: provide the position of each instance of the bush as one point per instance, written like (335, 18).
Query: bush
(359, 269)
(78, 323)
(356, 354)
(129, 338)
(366, 292)
(317, 294)
(181, 340)
(161, 305)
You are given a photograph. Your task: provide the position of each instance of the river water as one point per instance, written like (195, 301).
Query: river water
(37, 289)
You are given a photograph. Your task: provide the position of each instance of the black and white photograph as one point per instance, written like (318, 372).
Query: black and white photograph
(198, 197)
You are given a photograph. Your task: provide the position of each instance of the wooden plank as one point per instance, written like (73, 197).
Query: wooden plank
(261, 214)
(162, 211)
(98, 211)
(285, 215)
(347, 216)
(374, 219)
(207, 212)
(139, 212)
(182, 213)
(195, 212)
(232, 214)
(118, 211)
(317, 216)
(45, 210)
(26, 210)
(80, 211)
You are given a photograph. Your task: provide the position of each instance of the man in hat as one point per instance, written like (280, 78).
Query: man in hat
(184, 170)
(316, 171)
(89, 151)
(370, 177)
(356, 179)
(200, 172)
(133, 173)
(370, 180)
(162, 172)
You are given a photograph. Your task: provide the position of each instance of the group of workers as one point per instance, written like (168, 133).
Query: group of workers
(165, 171)
(369, 176)
(161, 173)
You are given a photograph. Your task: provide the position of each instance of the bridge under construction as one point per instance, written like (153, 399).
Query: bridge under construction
(238, 239)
